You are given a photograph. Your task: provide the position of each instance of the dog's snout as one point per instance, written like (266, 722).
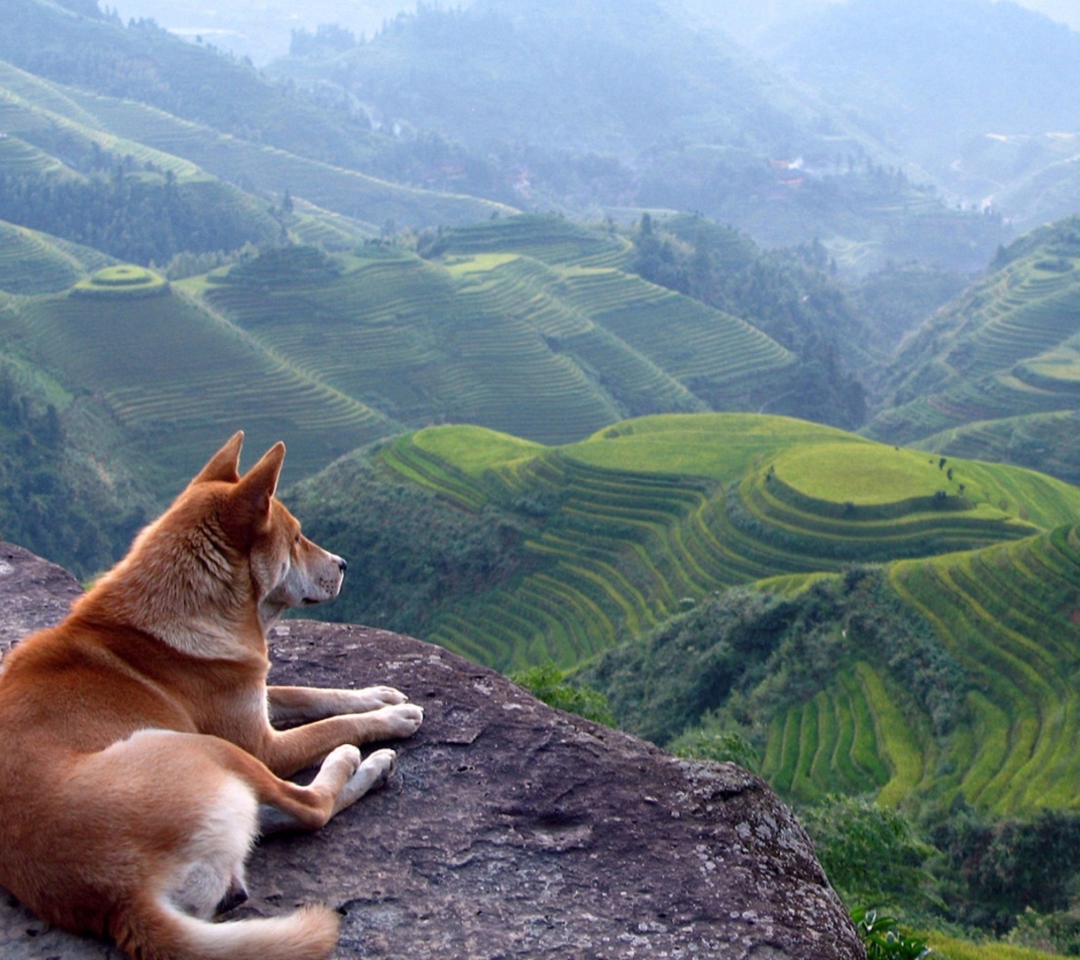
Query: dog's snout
(343, 564)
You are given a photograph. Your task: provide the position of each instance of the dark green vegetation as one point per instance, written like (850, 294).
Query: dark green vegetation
(548, 683)
(70, 502)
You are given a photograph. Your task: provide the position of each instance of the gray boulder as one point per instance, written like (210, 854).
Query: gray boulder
(511, 830)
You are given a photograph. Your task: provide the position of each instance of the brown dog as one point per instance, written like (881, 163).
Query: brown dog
(137, 759)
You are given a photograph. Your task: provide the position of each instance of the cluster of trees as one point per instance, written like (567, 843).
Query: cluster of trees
(1009, 877)
(742, 654)
(45, 504)
(139, 217)
(788, 295)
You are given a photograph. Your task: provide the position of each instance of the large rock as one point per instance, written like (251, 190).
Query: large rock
(511, 830)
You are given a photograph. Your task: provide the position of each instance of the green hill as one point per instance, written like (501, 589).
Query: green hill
(632, 105)
(331, 352)
(869, 618)
(1006, 350)
(32, 262)
(552, 350)
(171, 189)
(178, 377)
(528, 553)
(943, 679)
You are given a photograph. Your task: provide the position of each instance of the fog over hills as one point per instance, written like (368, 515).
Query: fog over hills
(260, 29)
(980, 94)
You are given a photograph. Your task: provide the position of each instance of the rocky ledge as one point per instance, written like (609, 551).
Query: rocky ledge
(511, 830)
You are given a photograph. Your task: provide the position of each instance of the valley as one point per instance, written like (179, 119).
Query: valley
(689, 376)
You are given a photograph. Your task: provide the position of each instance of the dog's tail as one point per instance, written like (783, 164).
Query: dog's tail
(156, 930)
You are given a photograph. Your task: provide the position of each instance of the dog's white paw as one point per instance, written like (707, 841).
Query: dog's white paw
(402, 719)
(382, 764)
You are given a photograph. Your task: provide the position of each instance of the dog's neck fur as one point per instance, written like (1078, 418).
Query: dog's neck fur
(187, 599)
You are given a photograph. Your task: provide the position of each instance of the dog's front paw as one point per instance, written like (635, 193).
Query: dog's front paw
(372, 698)
(401, 720)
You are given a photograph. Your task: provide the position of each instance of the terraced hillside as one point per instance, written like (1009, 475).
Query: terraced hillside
(605, 538)
(32, 262)
(549, 350)
(178, 377)
(1006, 616)
(1008, 348)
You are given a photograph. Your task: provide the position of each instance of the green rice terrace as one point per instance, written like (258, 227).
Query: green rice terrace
(123, 281)
(172, 372)
(32, 262)
(1008, 348)
(520, 344)
(599, 543)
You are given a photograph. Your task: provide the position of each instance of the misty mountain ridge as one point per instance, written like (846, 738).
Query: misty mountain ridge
(933, 81)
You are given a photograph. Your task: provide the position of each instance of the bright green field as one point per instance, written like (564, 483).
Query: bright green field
(625, 528)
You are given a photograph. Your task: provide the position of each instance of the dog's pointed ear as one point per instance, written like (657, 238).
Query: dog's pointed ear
(256, 488)
(225, 464)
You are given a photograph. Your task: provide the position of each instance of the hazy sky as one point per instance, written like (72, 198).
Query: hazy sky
(1067, 11)
(261, 28)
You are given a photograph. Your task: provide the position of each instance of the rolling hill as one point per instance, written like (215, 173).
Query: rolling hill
(44, 120)
(912, 628)
(551, 349)
(1003, 352)
(553, 342)
(166, 368)
(631, 105)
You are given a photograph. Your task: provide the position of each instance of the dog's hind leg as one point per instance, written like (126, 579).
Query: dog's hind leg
(366, 775)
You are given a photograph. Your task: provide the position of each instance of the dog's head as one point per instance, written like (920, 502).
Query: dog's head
(287, 569)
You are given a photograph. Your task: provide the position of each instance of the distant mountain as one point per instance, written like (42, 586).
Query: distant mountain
(967, 88)
(606, 105)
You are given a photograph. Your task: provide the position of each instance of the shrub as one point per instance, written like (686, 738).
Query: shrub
(548, 683)
(870, 853)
